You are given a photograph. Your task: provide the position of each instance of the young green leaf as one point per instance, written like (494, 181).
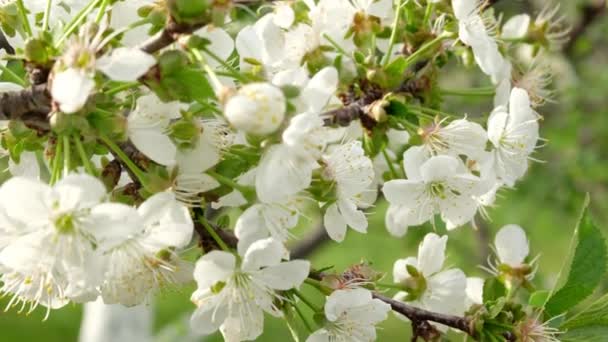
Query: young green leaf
(594, 315)
(586, 270)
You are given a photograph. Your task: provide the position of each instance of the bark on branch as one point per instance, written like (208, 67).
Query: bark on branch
(417, 315)
(16, 105)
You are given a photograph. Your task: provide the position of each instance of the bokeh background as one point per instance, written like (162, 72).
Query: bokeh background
(546, 203)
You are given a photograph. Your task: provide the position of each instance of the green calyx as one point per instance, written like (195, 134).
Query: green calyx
(65, 224)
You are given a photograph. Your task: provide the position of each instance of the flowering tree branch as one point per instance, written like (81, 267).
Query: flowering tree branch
(420, 316)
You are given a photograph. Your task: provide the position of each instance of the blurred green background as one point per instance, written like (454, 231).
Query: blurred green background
(546, 203)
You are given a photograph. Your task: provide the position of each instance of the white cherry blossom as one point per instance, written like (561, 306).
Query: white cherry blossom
(73, 79)
(351, 172)
(146, 260)
(441, 185)
(514, 135)
(431, 287)
(55, 235)
(233, 297)
(351, 315)
(147, 127)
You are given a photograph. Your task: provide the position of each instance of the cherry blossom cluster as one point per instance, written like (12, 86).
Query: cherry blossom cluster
(151, 128)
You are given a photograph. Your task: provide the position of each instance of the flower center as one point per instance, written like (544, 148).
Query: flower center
(65, 224)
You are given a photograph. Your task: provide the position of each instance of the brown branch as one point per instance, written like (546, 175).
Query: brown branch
(15, 105)
(168, 36)
(307, 246)
(590, 14)
(417, 315)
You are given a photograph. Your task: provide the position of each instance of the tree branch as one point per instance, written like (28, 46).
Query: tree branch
(590, 13)
(417, 315)
(306, 247)
(15, 105)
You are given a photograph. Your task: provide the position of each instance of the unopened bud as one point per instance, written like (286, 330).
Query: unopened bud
(377, 110)
(257, 108)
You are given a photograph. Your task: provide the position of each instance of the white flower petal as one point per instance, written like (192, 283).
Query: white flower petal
(282, 172)
(126, 64)
(334, 223)
(283, 15)
(286, 275)
(79, 191)
(516, 27)
(23, 199)
(512, 245)
(214, 267)
(71, 89)
(340, 301)
(474, 291)
(167, 222)
(404, 192)
(400, 273)
(431, 254)
(263, 253)
(155, 144)
(207, 318)
(353, 217)
(439, 168)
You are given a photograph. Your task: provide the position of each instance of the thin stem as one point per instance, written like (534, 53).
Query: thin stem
(390, 286)
(229, 182)
(430, 111)
(489, 91)
(141, 176)
(336, 45)
(303, 318)
(306, 300)
(102, 11)
(391, 167)
(56, 169)
(429, 10)
(121, 87)
(217, 84)
(317, 285)
(426, 48)
(78, 18)
(24, 19)
(393, 39)
(235, 73)
(12, 75)
(213, 234)
(47, 14)
(83, 157)
(67, 155)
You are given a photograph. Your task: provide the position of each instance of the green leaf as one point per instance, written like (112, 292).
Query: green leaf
(594, 315)
(187, 85)
(586, 270)
(395, 71)
(587, 334)
(493, 289)
(539, 298)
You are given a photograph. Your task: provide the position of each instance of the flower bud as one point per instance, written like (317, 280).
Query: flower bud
(36, 51)
(377, 110)
(188, 11)
(257, 108)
